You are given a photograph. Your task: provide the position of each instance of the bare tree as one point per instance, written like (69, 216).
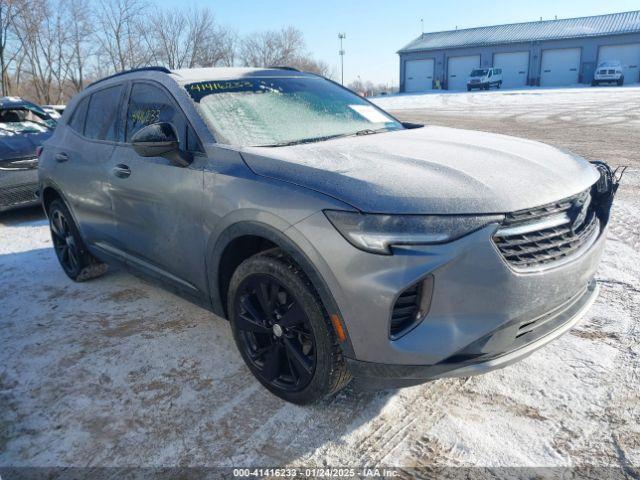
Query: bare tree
(120, 36)
(81, 31)
(49, 49)
(217, 48)
(42, 31)
(9, 11)
(285, 47)
(178, 39)
(272, 48)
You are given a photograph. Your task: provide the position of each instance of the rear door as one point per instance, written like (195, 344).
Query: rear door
(158, 205)
(459, 69)
(82, 156)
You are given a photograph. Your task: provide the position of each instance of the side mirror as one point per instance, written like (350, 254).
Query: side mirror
(160, 140)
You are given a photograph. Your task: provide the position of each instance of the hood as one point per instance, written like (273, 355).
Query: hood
(432, 169)
(19, 145)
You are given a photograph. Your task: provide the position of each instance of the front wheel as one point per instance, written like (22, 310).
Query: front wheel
(75, 260)
(282, 330)
(621, 82)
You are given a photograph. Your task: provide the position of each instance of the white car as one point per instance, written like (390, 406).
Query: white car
(484, 78)
(608, 72)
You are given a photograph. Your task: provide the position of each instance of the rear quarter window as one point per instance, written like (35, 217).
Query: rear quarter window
(77, 117)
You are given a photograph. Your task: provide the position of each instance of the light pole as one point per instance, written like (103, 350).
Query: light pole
(341, 36)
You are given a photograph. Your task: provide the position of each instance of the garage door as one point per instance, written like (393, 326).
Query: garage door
(627, 55)
(515, 68)
(418, 75)
(560, 67)
(459, 69)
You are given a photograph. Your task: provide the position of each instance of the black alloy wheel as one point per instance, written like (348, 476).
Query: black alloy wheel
(64, 242)
(275, 333)
(74, 258)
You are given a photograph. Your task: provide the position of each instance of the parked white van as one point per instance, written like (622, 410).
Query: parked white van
(608, 72)
(485, 78)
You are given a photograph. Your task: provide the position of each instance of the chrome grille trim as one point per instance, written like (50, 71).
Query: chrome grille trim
(546, 236)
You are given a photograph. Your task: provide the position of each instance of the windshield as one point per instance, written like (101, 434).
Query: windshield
(284, 111)
(479, 73)
(24, 120)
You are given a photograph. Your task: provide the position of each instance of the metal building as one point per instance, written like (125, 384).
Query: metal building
(544, 53)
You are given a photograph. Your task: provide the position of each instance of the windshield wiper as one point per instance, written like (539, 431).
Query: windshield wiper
(370, 131)
(366, 131)
(305, 140)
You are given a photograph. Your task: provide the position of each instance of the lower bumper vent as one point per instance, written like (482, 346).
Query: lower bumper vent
(411, 306)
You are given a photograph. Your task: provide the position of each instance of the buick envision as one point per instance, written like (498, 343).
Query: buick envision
(338, 241)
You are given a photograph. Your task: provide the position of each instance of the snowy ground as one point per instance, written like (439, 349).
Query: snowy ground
(117, 372)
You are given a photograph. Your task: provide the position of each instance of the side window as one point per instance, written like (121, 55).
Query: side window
(77, 118)
(150, 104)
(102, 115)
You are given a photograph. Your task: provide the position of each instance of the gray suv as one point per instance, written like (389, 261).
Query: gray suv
(338, 241)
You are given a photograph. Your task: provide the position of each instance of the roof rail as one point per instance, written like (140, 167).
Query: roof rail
(141, 69)
(284, 67)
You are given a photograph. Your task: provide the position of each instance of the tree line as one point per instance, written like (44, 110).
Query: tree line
(52, 49)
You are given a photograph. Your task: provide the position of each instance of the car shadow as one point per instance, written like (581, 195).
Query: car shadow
(22, 215)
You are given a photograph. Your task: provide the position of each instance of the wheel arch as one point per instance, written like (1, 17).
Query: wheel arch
(253, 237)
(48, 195)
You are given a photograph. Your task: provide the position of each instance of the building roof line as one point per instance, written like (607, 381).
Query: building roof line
(521, 32)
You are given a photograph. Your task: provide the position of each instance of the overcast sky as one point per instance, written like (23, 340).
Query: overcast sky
(376, 29)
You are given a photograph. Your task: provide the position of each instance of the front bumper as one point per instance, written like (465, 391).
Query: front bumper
(476, 295)
(558, 322)
(606, 78)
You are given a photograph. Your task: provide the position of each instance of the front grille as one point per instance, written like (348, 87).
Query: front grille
(543, 235)
(16, 195)
(405, 310)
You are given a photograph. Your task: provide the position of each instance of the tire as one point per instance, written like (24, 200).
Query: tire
(74, 258)
(487, 86)
(594, 83)
(620, 82)
(283, 331)
(468, 88)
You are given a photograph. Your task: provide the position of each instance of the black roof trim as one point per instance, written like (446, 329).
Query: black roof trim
(279, 67)
(124, 72)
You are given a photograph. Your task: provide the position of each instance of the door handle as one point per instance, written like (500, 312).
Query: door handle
(61, 157)
(121, 170)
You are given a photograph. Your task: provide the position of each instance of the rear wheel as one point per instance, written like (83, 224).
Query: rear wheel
(75, 260)
(282, 330)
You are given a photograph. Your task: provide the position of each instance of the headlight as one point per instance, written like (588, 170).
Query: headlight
(376, 233)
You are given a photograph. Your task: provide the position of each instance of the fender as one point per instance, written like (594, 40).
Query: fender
(251, 227)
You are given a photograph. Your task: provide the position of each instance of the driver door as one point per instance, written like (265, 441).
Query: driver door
(158, 205)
